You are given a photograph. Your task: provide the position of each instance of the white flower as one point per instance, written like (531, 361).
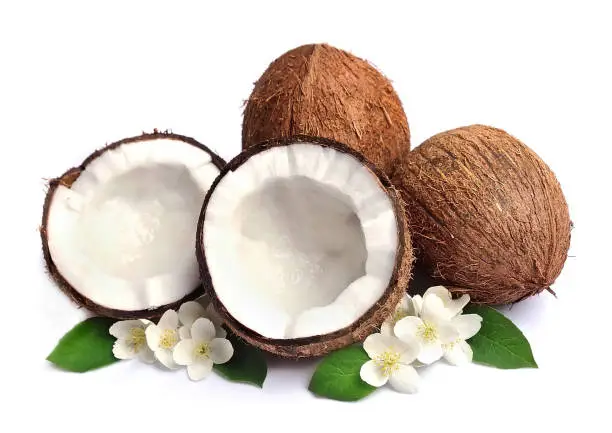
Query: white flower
(190, 311)
(408, 306)
(459, 352)
(162, 338)
(131, 341)
(202, 350)
(432, 329)
(390, 362)
(453, 307)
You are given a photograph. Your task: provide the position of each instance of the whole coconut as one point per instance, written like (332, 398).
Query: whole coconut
(487, 215)
(326, 92)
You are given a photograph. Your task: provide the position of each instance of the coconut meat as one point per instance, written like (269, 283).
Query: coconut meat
(123, 233)
(300, 241)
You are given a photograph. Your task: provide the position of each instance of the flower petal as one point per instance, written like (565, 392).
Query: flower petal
(123, 328)
(459, 304)
(190, 311)
(203, 330)
(408, 348)
(122, 350)
(386, 328)
(440, 291)
(430, 353)
(221, 333)
(467, 325)
(165, 357)
(405, 379)
(199, 370)
(446, 332)
(407, 328)
(434, 310)
(203, 300)
(376, 344)
(404, 304)
(153, 334)
(212, 315)
(146, 355)
(221, 350)
(372, 374)
(184, 332)
(183, 352)
(417, 304)
(454, 306)
(169, 320)
(459, 353)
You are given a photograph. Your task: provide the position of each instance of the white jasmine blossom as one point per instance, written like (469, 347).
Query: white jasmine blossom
(433, 329)
(453, 307)
(202, 349)
(190, 311)
(131, 340)
(459, 352)
(390, 360)
(163, 337)
(408, 306)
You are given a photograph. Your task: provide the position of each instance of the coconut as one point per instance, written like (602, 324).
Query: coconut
(327, 92)
(487, 215)
(118, 230)
(303, 246)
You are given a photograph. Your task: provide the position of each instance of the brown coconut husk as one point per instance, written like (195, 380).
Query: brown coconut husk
(66, 180)
(487, 215)
(322, 91)
(370, 322)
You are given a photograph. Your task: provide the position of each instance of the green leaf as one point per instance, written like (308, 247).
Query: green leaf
(337, 376)
(85, 347)
(499, 343)
(247, 365)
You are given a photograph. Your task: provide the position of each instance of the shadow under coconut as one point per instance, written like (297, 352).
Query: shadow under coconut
(420, 281)
(528, 312)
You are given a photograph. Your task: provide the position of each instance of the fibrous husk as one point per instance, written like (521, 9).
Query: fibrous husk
(487, 215)
(369, 322)
(323, 91)
(67, 180)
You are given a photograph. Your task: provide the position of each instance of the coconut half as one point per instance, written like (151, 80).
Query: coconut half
(118, 231)
(303, 246)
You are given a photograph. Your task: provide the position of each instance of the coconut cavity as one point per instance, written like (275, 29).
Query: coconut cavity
(302, 245)
(488, 216)
(118, 231)
(321, 90)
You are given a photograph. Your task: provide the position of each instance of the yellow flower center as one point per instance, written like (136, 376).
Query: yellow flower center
(202, 350)
(427, 332)
(168, 339)
(451, 345)
(136, 339)
(388, 362)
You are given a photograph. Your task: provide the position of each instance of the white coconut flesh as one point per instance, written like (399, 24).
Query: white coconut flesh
(300, 241)
(123, 234)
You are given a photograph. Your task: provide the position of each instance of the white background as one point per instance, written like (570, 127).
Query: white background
(74, 76)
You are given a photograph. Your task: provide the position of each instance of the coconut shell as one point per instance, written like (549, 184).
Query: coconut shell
(487, 215)
(370, 322)
(323, 91)
(67, 179)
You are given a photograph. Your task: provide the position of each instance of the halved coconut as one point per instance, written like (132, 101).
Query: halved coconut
(118, 231)
(303, 246)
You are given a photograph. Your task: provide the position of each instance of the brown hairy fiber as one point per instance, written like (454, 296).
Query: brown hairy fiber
(323, 91)
(487, 215)
(309, 347)
(66, 180)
